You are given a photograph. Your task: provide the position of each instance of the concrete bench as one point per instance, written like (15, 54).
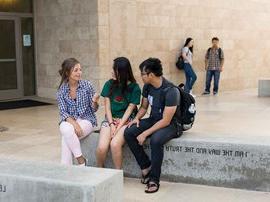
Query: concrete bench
(264, 87)
(222, 162)
(23, 181)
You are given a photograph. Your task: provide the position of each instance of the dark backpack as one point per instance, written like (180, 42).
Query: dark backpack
(219, 53)
(186, 110)
(180, 63)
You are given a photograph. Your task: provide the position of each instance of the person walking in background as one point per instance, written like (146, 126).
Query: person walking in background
(122, 95)
(187, 54)
(77, 103)
(214, 61)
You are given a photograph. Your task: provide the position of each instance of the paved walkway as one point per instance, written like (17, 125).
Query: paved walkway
(234, 116)
(178, 192)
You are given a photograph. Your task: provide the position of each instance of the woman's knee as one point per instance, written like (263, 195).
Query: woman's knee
(86, 126)
(101, 150)
(116, 145)
(66, 128)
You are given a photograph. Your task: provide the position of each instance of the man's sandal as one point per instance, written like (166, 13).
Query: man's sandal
(152, 185)
(145, 178)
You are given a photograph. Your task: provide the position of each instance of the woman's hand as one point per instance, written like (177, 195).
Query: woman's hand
(96, 98)
(78, 129)
(119, 126)
(112, 131)
(95, 101)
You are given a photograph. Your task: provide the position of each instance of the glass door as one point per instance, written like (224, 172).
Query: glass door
(11, 85)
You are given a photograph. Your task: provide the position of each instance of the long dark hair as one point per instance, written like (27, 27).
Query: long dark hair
(187, 42)
(66, 69)
(123, 74)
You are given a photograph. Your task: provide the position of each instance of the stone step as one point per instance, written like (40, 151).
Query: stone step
(23, 181)
(264, 87)
(216, 162)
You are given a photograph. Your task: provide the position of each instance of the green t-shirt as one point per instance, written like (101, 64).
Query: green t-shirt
(120, 102)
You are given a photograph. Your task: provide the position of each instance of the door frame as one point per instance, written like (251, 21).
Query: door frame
(15, 93)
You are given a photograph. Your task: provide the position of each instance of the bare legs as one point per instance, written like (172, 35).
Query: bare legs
(116, 143)
(103, 146)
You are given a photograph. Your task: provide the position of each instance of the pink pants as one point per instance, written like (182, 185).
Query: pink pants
(70, 141)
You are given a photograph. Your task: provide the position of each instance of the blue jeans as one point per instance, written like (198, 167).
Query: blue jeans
(191, 77)
(209, 75)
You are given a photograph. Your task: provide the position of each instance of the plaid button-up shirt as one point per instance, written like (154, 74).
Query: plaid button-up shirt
(81, 107)
(214, 60)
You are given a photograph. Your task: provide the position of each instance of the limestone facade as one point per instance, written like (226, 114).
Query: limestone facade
(97, 31)
(65, 28)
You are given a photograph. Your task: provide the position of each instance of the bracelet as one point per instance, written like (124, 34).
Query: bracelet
(111, 123)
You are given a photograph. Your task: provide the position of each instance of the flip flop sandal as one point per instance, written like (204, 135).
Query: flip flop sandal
(152, 185)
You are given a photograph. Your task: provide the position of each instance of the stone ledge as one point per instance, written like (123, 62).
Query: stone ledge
(217, 163)
(22, 181)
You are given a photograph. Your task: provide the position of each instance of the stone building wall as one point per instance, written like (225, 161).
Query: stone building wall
(65, 28)
(139, 29)
(97, 31)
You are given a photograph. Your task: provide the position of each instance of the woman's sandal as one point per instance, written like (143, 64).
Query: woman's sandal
(145, 178)
(152, 185)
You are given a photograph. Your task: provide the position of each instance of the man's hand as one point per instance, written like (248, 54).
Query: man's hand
(141, 138)
(221, 69)
(134, 121)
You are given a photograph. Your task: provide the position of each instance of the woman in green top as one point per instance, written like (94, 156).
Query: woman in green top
(122, 95)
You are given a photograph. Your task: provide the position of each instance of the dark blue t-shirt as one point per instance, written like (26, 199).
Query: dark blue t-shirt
(153, 95)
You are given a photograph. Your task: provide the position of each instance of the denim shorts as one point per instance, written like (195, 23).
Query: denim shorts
(116, 121)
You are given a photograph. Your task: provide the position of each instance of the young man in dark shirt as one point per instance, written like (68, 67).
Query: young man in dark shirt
(159, 127)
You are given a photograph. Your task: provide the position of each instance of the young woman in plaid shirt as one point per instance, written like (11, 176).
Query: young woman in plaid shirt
(77, 102)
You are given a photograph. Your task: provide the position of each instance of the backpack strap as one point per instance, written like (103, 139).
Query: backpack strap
(219, 53)
(208, 52)
(174, 120)
(164, 93)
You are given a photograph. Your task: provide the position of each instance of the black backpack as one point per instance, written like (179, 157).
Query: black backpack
(186, 110)
(180, 63)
